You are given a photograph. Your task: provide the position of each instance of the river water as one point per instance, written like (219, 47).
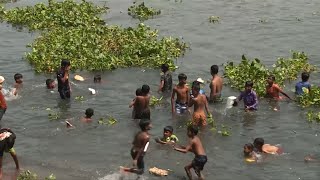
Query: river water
(96, 152)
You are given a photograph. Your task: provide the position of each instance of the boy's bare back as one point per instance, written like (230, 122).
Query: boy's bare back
(140, 140)
(199, 102)
(197, 147)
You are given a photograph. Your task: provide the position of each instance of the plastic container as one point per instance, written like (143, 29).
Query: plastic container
(230, 101)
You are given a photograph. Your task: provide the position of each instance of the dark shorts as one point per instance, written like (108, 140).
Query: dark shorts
(140, 162)
(64, 93)
(198, 162)
(2, 111)
(141, 115)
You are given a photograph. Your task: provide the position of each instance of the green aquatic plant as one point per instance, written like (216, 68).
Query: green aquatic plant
(253, 70)
(56, 14)
(142, 12)
(79, 98)
(110, 121)
(155, 101)
(28, 175)
(311, 98)
(313, 116)
(75, 31)
(214, 19)
(103, 48)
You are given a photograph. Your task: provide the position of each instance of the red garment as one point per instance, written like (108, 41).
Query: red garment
(3, 104)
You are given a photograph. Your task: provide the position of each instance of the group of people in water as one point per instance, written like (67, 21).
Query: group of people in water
(182, 98)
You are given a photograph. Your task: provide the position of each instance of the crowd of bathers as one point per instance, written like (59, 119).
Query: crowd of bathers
(183, 97)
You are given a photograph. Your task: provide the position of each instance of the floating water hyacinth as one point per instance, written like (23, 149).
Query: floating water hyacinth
(110, 121)
(155, 101)
(214, 19)
(142, 12)
(76, 32)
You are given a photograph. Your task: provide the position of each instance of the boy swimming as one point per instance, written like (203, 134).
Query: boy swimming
(249, 154)
(97, 79)
(266, 148)
(140, 145)
(196, 147)
(88, 114)
(50, 84)
(249, 97)
(165, 79)
(182, 91)
(18, 78)
(199, 101)
(168, 136)
(7, 140)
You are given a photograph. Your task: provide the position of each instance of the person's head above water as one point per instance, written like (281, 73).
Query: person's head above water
(89, 112)
(195, 88)
(164, 68)
(182, 78)
(139, 92)
(97, 78)
(145, 124)
(18, 78)
(65, 64)
(167, 131)
(247, 149)
(145, 89)
(271, 79)
(50, 84)
(305, 76)
(192, 131)
(248, 86)
(258, 143)
(214, 69)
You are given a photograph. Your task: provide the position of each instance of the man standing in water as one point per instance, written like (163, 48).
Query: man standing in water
(196, 147)
(215, 85)
(140, 145)
(63, 80)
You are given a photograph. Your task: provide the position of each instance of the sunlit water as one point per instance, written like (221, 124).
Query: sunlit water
(96, 152)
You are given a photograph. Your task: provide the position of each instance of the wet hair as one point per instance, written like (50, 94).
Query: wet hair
(272, 77)
(144, 123)
(164, 67)
(49, 81)
(168, 128)
(196, 86)
(89, 112)
(17, 76)
(97, 78)
(214, 69)
(249, 84)
(258, 143)
(9, 141)
(139, 92)
(249, 146)
(145, 89)
(182, 76)
(193, 129)
(65, 63)
(195, 83)
(305, 76)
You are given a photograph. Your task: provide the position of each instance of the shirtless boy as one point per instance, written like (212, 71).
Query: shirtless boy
(18, 78)
(196, 147)
(141, 104)
(140, 144)
(215, 85)
(182, 91)
(200, 103)
(273, 90)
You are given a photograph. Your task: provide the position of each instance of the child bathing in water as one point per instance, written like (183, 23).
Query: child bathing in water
(249, 154)
(97, 79)
(89, 113)
(260, 147)
(50, 84)
(168, 136)
(18, 83)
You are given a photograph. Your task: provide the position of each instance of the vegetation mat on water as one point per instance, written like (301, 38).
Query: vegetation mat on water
(311, 98)
(74, 31)
(142, 12)
(253, 70)
(28, 175)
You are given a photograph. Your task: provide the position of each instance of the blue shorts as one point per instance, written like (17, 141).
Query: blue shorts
(181, 107)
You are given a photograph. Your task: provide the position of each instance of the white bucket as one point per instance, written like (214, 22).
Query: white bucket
(93, 92)
(230, 101)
